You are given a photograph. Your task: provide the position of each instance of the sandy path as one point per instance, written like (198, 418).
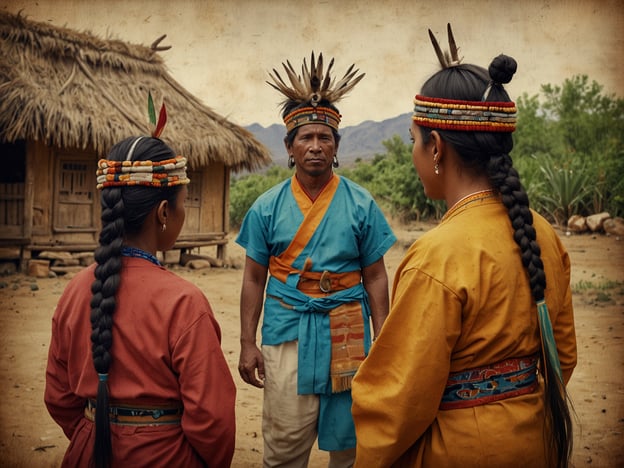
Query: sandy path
(29, 438)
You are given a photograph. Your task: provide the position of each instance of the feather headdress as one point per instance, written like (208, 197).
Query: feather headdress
(448, 58)
(313, 86)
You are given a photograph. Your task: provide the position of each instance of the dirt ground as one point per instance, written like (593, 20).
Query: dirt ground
(29, 437)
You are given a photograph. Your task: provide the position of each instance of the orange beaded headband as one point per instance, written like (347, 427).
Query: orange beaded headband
(159, 174)
(472, 116)
(305, 115)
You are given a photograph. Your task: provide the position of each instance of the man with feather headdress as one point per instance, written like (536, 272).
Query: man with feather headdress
(320, 239)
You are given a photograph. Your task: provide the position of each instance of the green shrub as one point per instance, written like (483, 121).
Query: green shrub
(245, 190)
(392, 180)
(567, 189)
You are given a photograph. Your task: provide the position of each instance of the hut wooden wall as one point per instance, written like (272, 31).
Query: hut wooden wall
(38, 170)
(12, 196)
(207, 209)
(65, 207)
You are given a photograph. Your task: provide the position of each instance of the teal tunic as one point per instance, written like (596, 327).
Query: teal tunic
(352, 235)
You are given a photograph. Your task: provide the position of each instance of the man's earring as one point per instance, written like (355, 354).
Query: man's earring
(335, 163)
(291, 162)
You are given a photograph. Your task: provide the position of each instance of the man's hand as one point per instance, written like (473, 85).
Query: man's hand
(251, 361)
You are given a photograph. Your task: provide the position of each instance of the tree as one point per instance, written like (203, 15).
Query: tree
(570, 148)
(392, 180)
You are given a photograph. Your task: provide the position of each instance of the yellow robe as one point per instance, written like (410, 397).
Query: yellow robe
(460, 300)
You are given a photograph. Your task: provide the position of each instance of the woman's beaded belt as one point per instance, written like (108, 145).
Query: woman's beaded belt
(481, 385)
(138, 416)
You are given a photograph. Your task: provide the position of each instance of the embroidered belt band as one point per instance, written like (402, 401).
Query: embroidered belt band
(138, 416)
(481, 385)
(311, 282)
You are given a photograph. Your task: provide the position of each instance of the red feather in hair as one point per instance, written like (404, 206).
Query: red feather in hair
(162, 121)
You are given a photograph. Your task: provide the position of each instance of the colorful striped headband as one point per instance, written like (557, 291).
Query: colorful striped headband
(471, 116)
(306, 115)
(159, 174)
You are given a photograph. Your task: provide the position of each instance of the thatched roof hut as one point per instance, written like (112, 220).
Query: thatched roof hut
(72, 89)
(65, 98)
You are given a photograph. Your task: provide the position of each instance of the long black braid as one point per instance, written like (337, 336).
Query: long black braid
(489, 153)
(124, 210)
(505, 178)
(104, 288)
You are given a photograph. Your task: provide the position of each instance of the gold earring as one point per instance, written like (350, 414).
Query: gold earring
(436, 168)
(163, 228)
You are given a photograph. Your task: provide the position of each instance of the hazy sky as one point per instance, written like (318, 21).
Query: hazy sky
(222, 50)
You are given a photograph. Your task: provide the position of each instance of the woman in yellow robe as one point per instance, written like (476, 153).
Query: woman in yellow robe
(457, 376)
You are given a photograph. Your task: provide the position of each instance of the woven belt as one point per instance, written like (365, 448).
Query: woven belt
(481, 385)
(138, 416)
(326, 282)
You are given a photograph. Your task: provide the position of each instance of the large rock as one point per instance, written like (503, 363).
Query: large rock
(198, 264)
(55, 255)
(85, 258)
(577, 223)
(185, 258)
(39, 268)
(594, 222)
(66, 262)
(614, 227)
(171, 257)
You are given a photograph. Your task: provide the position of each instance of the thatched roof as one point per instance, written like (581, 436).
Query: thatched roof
(73, 89)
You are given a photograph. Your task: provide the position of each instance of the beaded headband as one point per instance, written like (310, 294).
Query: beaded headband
(305, 115)
(472, 116)
(313, 87)
(159, 174)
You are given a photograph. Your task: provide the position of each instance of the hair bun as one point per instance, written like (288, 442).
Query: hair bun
(502, 69)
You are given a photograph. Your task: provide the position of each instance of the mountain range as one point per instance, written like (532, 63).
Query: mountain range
(362, 141)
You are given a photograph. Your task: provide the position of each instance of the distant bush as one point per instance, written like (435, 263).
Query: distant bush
(245, 190)
(392, 180)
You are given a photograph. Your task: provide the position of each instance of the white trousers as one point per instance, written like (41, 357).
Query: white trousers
(289, 420)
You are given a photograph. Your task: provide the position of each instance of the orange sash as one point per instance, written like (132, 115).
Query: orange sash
(281, 266)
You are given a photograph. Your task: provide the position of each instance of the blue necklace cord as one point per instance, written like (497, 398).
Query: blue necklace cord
(134, 252)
